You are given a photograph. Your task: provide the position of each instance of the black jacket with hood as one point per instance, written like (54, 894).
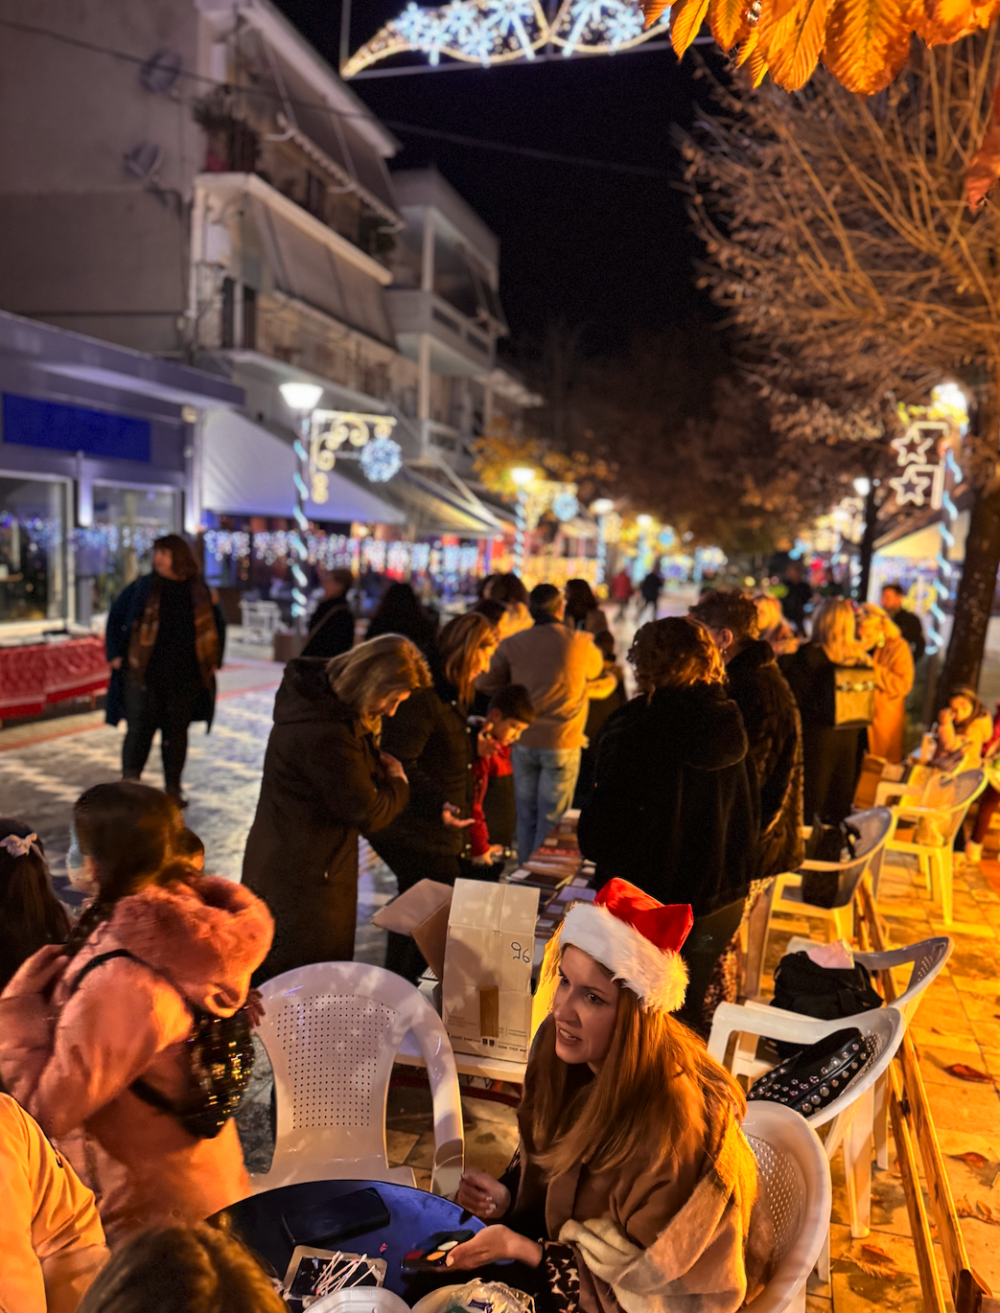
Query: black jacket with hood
(323, 785)
(674, 809)
(774, 737)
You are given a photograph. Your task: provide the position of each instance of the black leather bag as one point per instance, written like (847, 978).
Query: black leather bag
(827, 843)
(822, 992)
(813, 1077)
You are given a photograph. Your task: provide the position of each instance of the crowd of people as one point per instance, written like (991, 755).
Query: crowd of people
(125, 1035)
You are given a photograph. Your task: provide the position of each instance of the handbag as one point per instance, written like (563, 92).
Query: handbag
(853, 696)
(827, 843)
(800, 985)
(813, 1077)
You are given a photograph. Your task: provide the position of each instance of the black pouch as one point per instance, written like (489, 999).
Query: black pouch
(827, 843)
(826, 993)
(813, 1077)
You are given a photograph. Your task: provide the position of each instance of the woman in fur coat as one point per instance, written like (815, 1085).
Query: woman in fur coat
(634, 1188)
(93, 1035)
(892, 662)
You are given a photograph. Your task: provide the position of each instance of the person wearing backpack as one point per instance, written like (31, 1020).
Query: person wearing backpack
(130, 1045)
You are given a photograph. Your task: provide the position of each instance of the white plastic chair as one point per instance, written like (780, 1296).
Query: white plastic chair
(852, 1114)
(785, 893)
(927, 959)
(794, 1171)
(331, 1031)
(936, 861)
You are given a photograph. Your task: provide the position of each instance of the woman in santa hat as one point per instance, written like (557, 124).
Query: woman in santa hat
(634, 1187)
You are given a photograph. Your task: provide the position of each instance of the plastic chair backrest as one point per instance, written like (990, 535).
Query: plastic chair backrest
(794, 1173)
(873, 826)
(927, 959)
(331, 1031)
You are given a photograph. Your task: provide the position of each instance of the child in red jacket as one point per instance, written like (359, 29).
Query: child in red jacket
(509, 714)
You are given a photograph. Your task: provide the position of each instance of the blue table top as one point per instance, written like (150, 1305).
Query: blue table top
(414, 1216)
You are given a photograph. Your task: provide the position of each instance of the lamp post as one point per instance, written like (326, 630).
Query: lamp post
(602, 507)
(301, 399)
(522, 476)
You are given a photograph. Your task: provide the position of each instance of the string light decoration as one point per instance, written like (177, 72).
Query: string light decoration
(922, 478)
(380, 459)
(489, 32)
(565, 505)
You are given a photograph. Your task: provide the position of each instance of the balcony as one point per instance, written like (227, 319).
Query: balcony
(459, 345)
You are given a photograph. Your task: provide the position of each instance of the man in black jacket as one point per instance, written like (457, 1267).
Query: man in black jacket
(331, 630)
(771, 719)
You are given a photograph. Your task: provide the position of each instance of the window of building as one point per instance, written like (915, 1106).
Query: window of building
(32, 550)
(249, 318)
(228, 328)
(119, 547)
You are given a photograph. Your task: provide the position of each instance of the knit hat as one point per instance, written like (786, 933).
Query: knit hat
(637, 939)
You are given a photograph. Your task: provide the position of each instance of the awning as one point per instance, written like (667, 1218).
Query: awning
(441, 509)
(247, 470)
(311, 272)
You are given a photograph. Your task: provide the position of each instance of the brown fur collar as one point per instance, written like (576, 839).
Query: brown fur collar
(206, 937)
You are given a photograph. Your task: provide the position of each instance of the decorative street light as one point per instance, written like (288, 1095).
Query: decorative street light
(522, 476)
(302, 399)
(645, 523)
(601, 508)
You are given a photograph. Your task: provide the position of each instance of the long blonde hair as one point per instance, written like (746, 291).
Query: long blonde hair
(887, 626)
(769, 612)
(834, 631)
(372, 671)
(654, 1098)
(459, 642)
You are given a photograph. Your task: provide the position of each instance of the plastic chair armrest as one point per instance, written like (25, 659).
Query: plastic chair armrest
(813, 864)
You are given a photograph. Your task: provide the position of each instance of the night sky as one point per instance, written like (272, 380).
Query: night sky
(605, 249)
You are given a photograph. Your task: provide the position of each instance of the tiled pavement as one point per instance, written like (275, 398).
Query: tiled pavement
(44, 767)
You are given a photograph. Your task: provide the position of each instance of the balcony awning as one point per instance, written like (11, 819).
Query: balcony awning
(312, 272)
(442, 509)
(248, 470)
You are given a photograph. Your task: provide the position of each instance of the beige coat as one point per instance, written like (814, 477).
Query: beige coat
(51, 1240)
(672, 1239)
(562, 669)
(893, 665)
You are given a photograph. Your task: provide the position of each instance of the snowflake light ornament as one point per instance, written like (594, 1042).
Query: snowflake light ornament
(380, 459)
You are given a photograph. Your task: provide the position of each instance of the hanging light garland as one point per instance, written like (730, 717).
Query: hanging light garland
(380, 459)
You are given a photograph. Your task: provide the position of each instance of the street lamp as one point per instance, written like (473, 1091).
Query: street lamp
(301, 398)
(602, 507)
(645, 523)
(862, 487)
(522, 476)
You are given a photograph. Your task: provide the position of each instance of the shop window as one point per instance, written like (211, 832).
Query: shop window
(32, 550)
(119, 546)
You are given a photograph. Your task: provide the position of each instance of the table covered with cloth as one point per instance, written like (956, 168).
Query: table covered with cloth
(38, 674)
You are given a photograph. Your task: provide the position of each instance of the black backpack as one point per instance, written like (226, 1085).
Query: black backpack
(827, 843)
(220, 1054)
(826, 993)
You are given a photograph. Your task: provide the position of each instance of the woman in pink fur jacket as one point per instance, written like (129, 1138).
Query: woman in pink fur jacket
(99, 1055)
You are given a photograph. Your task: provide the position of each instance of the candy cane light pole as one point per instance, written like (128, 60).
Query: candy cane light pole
(522, 476)
(602, 507)
(301, 398)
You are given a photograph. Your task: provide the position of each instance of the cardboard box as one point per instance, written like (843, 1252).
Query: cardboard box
(487, 968)
(422, 911)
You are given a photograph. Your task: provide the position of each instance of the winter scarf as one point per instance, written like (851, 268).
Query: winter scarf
(206, 636)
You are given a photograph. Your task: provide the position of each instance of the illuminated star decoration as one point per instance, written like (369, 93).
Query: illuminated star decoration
(380, 459)
(498, 31)
(914, 484)
(912, 447)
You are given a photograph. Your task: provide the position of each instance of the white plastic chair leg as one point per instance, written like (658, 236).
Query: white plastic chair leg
(841, 922)
(822, 1268)
(858, 1165)
(880, 1124)
(758, 926)
(946, 861)
(797, 1303)
(924, 863)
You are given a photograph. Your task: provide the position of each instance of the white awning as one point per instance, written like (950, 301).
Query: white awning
(247, 470)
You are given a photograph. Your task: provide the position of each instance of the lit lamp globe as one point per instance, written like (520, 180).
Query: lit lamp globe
(603, 506)
(862, 487)
(300, 397)
(522, 475)
(951, 396)
(644, 521)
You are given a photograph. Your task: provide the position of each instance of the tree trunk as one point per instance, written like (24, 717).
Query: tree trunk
(867, 549)
(975, 596)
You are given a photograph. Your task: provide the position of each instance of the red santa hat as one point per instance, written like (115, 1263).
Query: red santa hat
(637, 939)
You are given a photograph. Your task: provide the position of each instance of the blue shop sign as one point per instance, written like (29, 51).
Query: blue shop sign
(34, 423)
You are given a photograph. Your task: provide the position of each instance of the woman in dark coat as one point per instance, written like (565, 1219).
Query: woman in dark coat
(325, 782)
(432, 738)
(583, 610)
(164, 644)
(674, 809)
(830, 754)
(399, 612)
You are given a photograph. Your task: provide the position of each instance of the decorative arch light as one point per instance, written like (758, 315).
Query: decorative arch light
(491, 32)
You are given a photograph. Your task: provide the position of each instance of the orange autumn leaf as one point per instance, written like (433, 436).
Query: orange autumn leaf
(746, 49)
(961, 1070)
(653, 9)
(868, 42)
(758, 66)
(687, 21)
(793, 60)
(970, 1158)
(725, 18)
